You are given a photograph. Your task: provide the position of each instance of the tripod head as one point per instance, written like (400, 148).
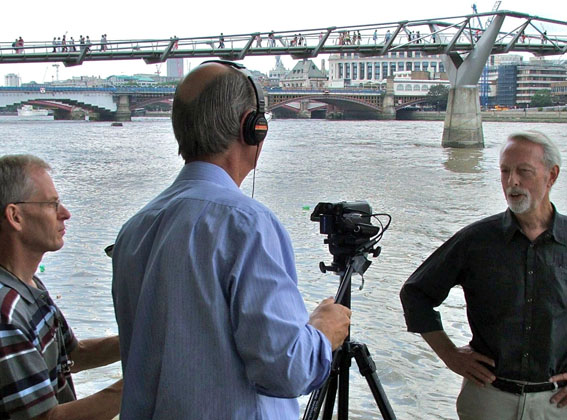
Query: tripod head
(351, 237)
(350, 231)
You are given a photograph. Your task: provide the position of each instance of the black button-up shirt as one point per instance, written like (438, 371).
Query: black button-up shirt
(515, 290)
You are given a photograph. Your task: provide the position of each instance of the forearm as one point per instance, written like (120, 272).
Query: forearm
(440, 343)
(104, 405)
(95, 352)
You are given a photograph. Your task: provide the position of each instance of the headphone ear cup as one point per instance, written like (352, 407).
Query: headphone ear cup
(255, 128)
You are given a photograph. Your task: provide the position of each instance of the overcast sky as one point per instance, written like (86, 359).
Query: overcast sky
(36, 20)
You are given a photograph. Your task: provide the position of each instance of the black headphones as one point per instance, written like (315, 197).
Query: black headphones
(255, 125)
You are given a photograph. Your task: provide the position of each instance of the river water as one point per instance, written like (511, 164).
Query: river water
(104, 174)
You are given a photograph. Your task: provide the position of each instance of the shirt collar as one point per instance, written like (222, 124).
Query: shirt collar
(558, 228)
(205, 171)
(30, 294)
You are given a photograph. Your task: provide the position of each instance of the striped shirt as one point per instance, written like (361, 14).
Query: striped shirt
(34, 342)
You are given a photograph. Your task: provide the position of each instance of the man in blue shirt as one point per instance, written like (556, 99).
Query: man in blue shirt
(212, 324)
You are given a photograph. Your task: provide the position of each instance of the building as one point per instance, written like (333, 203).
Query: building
(537, 75)
(514, 81)
(305, 75)
(137, 80)
(277, 73)
(12, 80)
(175, 68)
(559, 93)
(348, 69)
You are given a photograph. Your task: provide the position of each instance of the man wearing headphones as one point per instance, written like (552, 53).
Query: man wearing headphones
(212, 324)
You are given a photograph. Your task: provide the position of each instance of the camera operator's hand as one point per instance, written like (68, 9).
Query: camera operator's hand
(332, 320)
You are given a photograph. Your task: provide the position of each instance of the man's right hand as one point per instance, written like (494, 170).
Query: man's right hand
(333, 320)
(461, 360)
(470, 364)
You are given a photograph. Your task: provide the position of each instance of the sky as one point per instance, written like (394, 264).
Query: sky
(36, 20)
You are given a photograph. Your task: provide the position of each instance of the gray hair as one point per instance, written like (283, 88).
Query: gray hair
(551, 153)
(211, 122)
(15, 182)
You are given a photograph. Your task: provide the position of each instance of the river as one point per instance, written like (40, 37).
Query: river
(104, 174)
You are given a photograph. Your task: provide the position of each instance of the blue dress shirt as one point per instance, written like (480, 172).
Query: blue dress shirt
(212, 324)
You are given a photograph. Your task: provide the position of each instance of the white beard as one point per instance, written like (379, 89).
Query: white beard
(519, 206)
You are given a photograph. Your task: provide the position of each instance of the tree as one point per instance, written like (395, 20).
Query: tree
(541, 98)
(438, 96)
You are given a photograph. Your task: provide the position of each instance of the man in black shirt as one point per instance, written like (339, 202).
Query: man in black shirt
(512, 268)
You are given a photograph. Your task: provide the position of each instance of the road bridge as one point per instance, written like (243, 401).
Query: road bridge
(118, 103)
(464, 41)
(102, 103)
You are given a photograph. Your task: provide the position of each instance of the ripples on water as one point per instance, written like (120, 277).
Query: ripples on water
(104, 174)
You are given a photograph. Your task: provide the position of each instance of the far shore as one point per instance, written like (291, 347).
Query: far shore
(516, 115)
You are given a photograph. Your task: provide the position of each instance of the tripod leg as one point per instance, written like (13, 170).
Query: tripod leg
(326, 393)
(368, 370)
(330, 398)
(344, 382)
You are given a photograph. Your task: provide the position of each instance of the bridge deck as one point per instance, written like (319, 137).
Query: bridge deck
(431, 36)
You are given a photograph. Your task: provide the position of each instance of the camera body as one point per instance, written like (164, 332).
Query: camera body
(347, 224)
(344, 218)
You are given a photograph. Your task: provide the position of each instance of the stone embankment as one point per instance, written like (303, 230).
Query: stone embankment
(500, 116)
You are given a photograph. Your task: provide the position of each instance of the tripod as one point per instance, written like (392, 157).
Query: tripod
(339, 377)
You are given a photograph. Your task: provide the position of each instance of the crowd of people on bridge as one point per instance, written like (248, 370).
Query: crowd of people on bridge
(62, 44)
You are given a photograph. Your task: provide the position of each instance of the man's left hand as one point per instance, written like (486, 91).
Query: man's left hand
(560, 398)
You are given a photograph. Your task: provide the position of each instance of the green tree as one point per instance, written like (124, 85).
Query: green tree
(438, 96)
(541, 98)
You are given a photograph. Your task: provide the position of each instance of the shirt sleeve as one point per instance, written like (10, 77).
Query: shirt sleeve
(430, 285)
(25, 387)
(284, 356)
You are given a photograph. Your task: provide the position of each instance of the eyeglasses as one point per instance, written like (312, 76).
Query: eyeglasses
(55, 204)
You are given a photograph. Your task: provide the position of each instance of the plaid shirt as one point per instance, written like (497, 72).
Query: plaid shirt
(34, 344)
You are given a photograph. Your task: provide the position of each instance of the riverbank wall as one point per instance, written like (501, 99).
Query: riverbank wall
(498, 116)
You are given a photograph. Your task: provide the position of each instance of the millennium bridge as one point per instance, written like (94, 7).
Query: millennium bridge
(465, 41)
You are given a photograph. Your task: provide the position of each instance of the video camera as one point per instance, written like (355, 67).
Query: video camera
(350, 230)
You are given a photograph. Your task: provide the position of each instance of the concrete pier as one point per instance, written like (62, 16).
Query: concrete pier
(123, 112)
(463, 122)
(388, 105)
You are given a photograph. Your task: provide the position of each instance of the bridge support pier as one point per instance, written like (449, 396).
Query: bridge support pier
(123, 111)
(388, 105)
(74, 114)
(304, 112)
(463, 123)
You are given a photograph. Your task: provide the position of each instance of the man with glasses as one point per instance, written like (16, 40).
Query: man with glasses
(38, 350)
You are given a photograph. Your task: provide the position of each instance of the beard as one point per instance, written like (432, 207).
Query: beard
(520, 204)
